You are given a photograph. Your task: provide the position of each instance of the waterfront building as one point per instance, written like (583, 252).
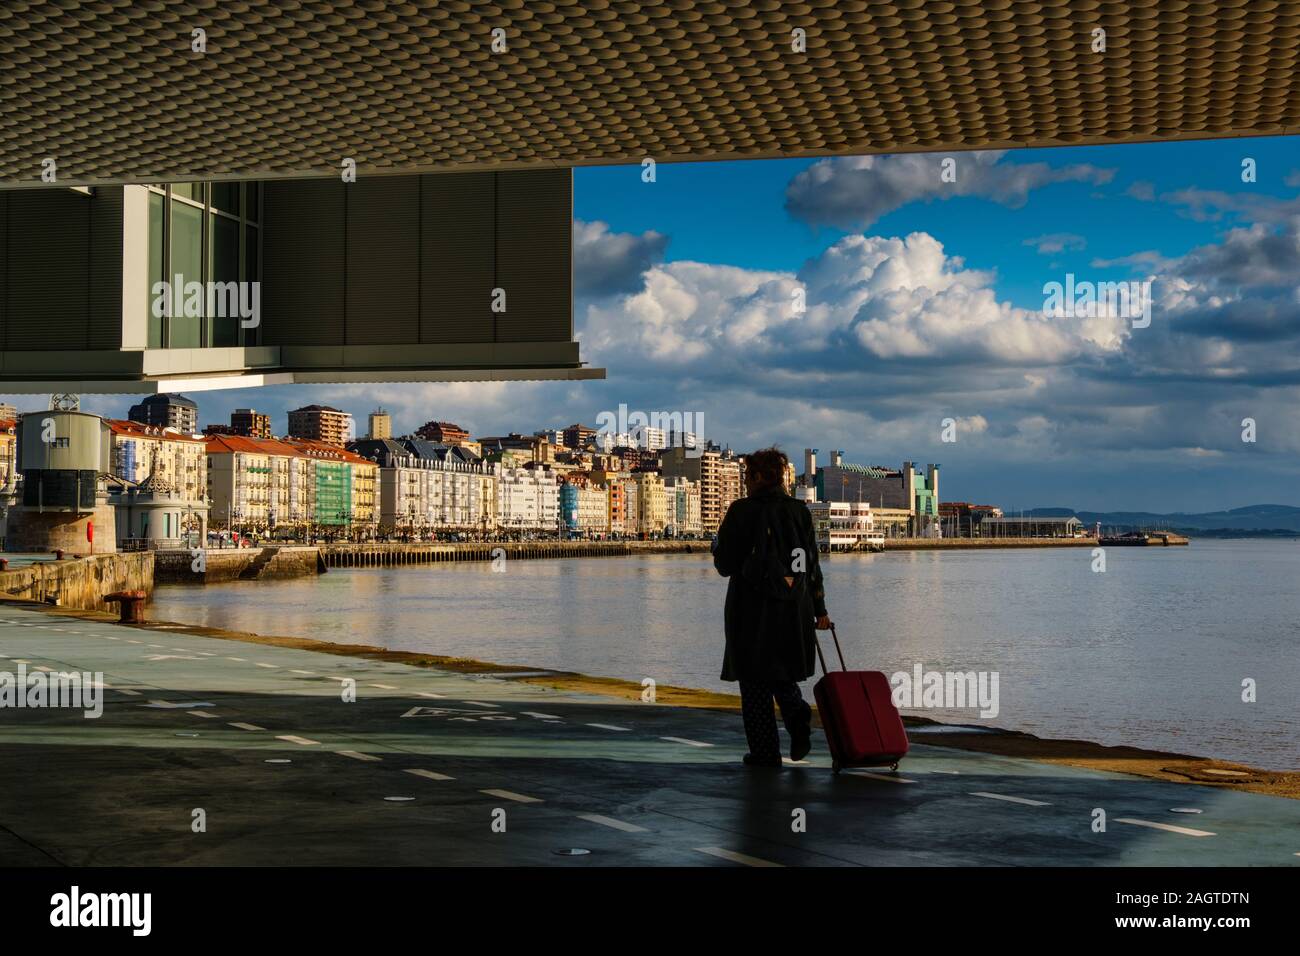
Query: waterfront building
(717, 473)
(584, 507)
(684, 506)
(845, 526)
(178, 459)
(579, 436)
(8, 450)
(445, 433)
(340, 487)
(154, 514)
(167, 411)
(428, 487)
(380, 424)
(631, 506)
(961, 519)
(528, 500)
(1030, 526)
(653, 516)
(320, 423)
(64, 460)
(651, 439)
(259, 486)
(906, 502)
(535, 448)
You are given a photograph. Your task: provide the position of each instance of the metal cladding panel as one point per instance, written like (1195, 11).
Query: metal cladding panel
(4, 268)
(415, 260)
(105, 330)
(457, 264)
(383, 247)
(47, 288)
(423, 87)
(534, 255)
(303, 263)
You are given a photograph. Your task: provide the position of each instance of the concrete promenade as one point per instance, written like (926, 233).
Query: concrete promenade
(419, 769)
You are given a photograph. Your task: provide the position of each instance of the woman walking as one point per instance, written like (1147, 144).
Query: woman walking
(775, 598)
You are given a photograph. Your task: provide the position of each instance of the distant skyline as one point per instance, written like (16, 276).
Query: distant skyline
(923, 303)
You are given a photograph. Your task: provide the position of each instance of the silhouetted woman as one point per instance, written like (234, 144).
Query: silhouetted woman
(775, 598)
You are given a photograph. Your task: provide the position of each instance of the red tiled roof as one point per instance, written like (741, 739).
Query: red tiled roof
(121, 426)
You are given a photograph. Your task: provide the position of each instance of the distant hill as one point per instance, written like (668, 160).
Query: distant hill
(1259, 519)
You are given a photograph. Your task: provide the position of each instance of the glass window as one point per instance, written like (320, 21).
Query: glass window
(188, 191)
(251, 196)
(252, 335)
(155, 267)
(187, 267)
(225, 196)
(224, 268)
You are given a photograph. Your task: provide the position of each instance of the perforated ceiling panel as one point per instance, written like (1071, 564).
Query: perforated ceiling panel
(113, 91)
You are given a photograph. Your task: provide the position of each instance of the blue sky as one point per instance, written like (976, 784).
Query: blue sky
(924, 303)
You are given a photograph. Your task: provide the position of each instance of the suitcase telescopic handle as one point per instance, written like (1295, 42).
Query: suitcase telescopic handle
(838, 650)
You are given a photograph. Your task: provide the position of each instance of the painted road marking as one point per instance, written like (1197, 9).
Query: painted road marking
(626, 730)
(241, 660)
(128, 691)
(260, 664)
(1168, 827)
(20, 660)
(129, 641)
(735, 857)
(687, 741)
(611, 822)
(479, 703)
(434, 775)
(199, 713)
(533, 713)
(304, 741)
(892, 778)
(511, 795)
(243, 726)
(425, 693)
(357, 755)
(294, 670)
(1002, 796)
(384, 686)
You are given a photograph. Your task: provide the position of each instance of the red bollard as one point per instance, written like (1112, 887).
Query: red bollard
(4, 564)
(132, 605)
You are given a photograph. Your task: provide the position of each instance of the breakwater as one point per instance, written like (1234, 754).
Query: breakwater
(950, 544)
(393, 555)
(80, 583)
(237, 564)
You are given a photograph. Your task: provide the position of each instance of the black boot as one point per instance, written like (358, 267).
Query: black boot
(801, 736)
(752, 761)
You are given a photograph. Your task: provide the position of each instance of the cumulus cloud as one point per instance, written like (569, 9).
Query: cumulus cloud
(854, 192)
(607, 263)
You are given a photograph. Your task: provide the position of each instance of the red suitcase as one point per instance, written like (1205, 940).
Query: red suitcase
(863, 728)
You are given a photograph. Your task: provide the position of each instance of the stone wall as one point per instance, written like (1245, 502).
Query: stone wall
(80, 582)
(236, 564)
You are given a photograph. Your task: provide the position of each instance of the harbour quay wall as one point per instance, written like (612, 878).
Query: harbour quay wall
(943, 544)
(80, 583)
(237, 564)
(392, 555)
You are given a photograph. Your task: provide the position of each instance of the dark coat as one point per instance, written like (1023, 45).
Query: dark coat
(768, 639)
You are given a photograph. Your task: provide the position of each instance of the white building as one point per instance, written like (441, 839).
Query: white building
(846, 526)
(528, 500)
(683, 505)
(651, 439)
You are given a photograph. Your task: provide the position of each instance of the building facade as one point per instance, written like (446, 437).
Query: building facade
(528, 501)
(167, 411)
(320, 423)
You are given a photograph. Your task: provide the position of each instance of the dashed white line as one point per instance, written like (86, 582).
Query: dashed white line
(357, 755)
(243, 726)
(241, 660)
(479, 703)
(199, 713)
(533, 713)
(511, 795)
(1009, 799)
(260, 664)
(889, 777)
(383, 686)
(294, 739)
(735, 857)
(612, 823)
(294, 670)
(687, 741)
(1168, 827)
(626, 730)
(128, 691)
(425, 693)
(429, 774)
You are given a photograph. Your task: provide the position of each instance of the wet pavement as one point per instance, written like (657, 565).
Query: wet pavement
(428, 767)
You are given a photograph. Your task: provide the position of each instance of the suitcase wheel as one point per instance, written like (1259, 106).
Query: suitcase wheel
(894, 766)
